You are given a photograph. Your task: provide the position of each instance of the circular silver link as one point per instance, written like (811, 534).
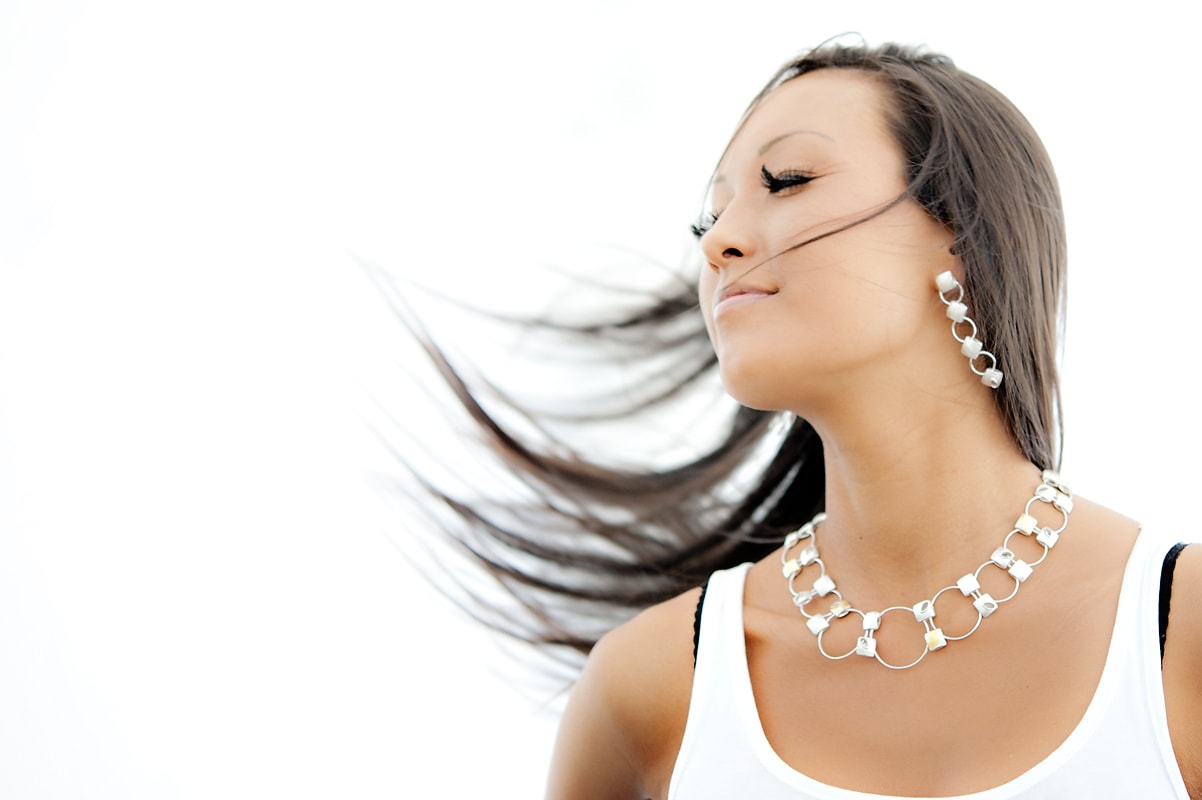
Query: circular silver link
(850, 652)
(1017, 582)
(960, 338)
(1016, 532)
(972, 362)
(885, 663)
(971, 630)
(957, 299)
(1063, 514)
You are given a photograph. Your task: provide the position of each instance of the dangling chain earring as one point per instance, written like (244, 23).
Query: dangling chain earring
(970, 345)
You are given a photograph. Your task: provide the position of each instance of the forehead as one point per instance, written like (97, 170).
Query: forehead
(843, 107)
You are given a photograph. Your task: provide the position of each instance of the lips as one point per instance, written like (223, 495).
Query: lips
(737, 296)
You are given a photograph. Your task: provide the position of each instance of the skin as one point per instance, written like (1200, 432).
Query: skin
(848, 332)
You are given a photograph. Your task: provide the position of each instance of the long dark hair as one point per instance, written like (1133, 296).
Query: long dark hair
(590, 544)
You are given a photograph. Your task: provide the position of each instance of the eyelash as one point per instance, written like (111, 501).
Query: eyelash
(775, 184)
(702, 226)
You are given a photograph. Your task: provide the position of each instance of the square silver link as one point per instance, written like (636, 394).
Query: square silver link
(808, 555)
(1063, 502)
(817, 624)
(1003, 557)
(866, 646)
(802, 598)
(1026, 524)
(824, 586)
(790, 568)
(1021, 570)
(1046, 493)
(1047, 537)
(872, 620)
(924, 610)
(985, 604)
(840, 608)
(968, 584)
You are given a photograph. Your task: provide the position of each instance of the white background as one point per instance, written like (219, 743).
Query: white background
(203, 593)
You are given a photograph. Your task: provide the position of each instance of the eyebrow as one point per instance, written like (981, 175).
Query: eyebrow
(773, 142)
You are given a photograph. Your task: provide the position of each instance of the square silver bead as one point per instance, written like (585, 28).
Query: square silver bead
(817, 624)
(1003, 557)
(1021, 570)
(1047, 537)
(985, 604)
(924, 610)
(866, 646)
(1063, 502)
(1025, 524)
(790, 568)
(968, 584)
(992, 377)
(824, 586)
(808, 555)
(872, 620)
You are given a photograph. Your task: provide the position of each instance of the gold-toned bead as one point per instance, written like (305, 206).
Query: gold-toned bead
(935, 639)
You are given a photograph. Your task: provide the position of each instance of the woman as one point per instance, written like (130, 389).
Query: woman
(884, 259)
(858, 177)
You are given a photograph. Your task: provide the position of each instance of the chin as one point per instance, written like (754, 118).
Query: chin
(758, 388)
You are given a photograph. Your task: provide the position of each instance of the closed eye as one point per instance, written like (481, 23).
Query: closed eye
(702, 226)
(783, 180)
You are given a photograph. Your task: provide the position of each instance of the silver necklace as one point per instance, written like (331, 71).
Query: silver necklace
(1050, 492)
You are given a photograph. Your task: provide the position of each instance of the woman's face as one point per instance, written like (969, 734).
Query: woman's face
(844, 312)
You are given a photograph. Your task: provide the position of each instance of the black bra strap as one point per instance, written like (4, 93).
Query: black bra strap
(697, 622)
(1166, 591)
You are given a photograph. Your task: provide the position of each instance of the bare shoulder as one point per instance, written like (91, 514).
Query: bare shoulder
(1183, 664)
(622, 728)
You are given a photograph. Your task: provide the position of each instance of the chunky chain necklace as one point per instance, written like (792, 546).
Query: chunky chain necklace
(1050, 492)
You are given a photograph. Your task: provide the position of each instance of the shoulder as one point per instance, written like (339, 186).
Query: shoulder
(622, 728)
(1183, 664)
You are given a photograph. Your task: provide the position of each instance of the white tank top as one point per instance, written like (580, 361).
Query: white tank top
(1119, 750)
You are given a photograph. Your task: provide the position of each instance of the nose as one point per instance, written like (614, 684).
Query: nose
(727, 242)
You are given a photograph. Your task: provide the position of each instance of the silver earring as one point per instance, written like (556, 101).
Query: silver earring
(970, 345)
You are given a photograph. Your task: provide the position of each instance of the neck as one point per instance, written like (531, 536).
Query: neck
(913, 502)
